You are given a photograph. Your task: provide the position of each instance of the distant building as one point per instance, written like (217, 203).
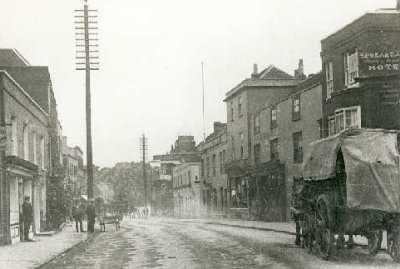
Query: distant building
(183, 151)
(74, 175)
(361, 67)
(213, 174)
(187, 190)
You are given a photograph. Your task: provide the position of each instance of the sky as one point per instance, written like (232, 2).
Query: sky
(151, 51)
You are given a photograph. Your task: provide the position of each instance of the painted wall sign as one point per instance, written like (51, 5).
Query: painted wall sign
(378, 63)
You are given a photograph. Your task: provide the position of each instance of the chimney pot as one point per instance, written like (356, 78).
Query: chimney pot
(255, 70)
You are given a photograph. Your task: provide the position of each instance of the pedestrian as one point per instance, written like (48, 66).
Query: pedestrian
(27, 217)
(101, 219)
(77, 213)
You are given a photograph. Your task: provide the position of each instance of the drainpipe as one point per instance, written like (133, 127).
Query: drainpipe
(4, 184)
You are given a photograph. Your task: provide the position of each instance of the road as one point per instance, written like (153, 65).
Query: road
(169, 243)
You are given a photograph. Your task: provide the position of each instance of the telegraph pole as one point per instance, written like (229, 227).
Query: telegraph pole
(87, 60)
(202, 84)
(143, 148)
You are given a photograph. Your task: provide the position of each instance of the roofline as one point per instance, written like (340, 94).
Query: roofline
(354, 21)
(24, 92)
(312, 86)
(22, 58)
(241, 87)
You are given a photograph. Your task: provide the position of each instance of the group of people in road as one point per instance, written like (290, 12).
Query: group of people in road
(139, 212)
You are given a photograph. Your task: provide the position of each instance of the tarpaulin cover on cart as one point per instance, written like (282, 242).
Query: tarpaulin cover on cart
(372, 167)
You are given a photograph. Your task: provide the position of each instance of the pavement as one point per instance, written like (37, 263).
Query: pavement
(43, 249)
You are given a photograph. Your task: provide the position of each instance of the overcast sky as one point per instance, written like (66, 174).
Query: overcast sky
(151, 54)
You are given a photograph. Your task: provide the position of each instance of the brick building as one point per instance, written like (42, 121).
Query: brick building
(281, 132)
(213, 174)
(187, 190)
(29, 113)
(361, 67)
(26, 155)
(242, 102)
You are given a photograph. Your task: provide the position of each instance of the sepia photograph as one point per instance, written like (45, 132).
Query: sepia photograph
(207, 134)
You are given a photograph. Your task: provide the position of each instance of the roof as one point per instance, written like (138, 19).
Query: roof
(35, 80)
(11, 57)
(272, 72)
(269, 77)
(378, 19)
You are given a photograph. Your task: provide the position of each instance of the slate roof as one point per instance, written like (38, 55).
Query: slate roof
(35, 80)
(11, 57)
(272, 72)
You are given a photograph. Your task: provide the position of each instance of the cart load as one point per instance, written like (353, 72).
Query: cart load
(351, 185)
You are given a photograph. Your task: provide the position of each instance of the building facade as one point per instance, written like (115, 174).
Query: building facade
(27, 158)
(242, 102)
(29, 114)
(282, 132)
(183, 151)
(74, 176)
(187, 188)
(361, 67)
(215, 195)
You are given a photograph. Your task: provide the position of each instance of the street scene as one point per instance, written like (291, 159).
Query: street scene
(203, 134)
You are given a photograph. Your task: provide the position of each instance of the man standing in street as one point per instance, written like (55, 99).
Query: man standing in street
(27, 217)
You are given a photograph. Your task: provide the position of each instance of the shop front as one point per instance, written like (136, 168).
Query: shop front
(22, 177)
(267, 192)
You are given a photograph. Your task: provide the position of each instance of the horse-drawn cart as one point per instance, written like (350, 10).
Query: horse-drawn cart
(350, 186)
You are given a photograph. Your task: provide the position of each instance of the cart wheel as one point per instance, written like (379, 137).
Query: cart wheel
(393, 246)
(374, 242)
(324, 236)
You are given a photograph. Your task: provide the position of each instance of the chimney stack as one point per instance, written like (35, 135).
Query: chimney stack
(398, 5)
(255, 71)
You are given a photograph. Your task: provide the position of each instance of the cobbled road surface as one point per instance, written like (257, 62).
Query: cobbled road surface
(169, 243)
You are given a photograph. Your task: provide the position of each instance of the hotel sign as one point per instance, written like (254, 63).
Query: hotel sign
(378, 63)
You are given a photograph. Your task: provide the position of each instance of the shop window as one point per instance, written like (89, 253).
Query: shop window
(274, 149)
(274, 114)
(296, 108)
(350, 67)
(298, 147)
(329, 79)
